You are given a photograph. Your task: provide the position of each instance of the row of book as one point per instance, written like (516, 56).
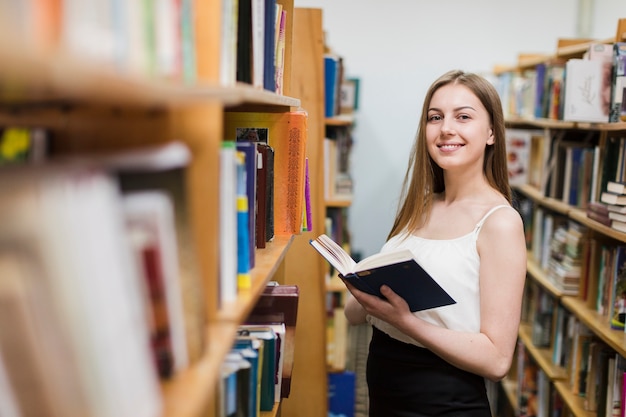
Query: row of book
(600, 377)
(579, 264)
(158, 38)
(587, 89)
(253, 43)
(254, 206)
(257, 372)
(566, 166)
(557, 245)
(59, 283)
(341, 93)
(588, 367)
(151, 39)
(93, 324)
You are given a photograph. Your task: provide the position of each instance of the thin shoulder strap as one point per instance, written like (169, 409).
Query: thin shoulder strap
(480, 223)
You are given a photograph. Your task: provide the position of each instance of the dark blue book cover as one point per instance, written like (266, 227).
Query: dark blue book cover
(341, 394)
(250, 151)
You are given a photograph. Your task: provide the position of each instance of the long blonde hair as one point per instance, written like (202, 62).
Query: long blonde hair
(424, 178)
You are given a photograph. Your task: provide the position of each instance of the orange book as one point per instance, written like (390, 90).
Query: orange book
(287, 134)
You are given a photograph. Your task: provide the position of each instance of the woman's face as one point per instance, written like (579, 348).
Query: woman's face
(458, 128)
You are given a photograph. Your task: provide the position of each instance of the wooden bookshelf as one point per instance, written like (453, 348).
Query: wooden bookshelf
(93, 107)
(598, 134)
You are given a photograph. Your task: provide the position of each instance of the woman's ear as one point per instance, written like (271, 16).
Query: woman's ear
(490, 140)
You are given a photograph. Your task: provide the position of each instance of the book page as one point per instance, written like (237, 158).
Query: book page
(385, 258)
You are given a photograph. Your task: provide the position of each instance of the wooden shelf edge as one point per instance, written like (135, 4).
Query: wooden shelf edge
(573, 213)
(543, 356)
(57, 76)
(266, 264)
(340, 120)
(189, 392)
(573, 402)
(564, 124)
(597, 323)
(539, 276)
(344, 201)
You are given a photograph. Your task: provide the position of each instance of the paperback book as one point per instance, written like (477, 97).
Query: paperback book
(397, 269)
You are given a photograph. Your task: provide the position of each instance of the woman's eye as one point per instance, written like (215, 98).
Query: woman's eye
(434, 118)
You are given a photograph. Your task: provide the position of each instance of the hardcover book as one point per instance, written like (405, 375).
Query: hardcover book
(584, 86)
(397, 269)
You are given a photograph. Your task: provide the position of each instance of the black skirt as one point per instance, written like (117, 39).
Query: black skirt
(405, 380)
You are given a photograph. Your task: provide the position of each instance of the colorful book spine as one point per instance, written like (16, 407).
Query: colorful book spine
(308, 214)
(244, 279)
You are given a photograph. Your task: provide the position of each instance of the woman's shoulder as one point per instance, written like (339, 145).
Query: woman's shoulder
(501, 218)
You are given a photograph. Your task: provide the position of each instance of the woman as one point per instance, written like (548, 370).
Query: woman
(455, 215)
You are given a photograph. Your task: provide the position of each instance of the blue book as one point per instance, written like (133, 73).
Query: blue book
(249, 349)
(341, 394)
(251, 159)
(269, 364)
(244, 280)
(331, 84)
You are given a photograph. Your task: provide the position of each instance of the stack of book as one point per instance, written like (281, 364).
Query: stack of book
(564, 265)
(614, 199)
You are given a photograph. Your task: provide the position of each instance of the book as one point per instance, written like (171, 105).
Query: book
(269, 364)
(149, 217)
(397, 269)
(265, 195)
(164, 167)
(244, 279)
(617, 318)
(286, 133)
(244, 41)
(251, 350)
(612, 198)
(583, 91)
(616, 187)
(99, 322)
(251, 161)
(518, 145)
(269, 49)
(227, 270)
(618, 84)
(278, 304)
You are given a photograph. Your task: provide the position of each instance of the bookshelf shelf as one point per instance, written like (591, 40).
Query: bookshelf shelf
(573, 402)
(543, 356)
(535, 271)
(560, 234)
(339, 202)
(268, 261)
(598, 324)
(340, 120)
(189, 392)
(94, 107)
(54, 77)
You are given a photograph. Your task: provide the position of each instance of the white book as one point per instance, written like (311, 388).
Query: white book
(228, 223)
(151, 224)
(258, 42)
(583, 91)
(81, 241)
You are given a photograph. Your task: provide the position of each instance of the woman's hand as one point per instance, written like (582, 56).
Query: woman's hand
(393, 309)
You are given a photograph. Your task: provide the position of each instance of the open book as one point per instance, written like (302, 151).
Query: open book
(397, 269)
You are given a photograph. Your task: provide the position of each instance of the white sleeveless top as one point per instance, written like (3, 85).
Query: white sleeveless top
(454, 264)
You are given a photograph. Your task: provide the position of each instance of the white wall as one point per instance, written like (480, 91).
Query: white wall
(398, 47)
